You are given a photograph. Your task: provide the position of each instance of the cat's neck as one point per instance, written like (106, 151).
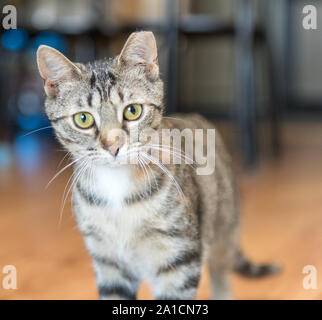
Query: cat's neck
(117, 185)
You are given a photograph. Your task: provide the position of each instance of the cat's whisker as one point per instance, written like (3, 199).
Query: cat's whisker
(173, 118)
(72, 176)
(169, 147)
(69, 181)
(172, 149)
(166, 171)
(62, 170)
(90, 175)
(91, 183)
(140, 164)
(34, 131)
(67, 155)
(175, 154)
(152, 173)
(132, 151)
(147, 174)
(75, 180)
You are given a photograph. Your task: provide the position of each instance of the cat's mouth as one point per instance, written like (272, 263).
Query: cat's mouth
(111, 161)
(126, 156)
(107, 161)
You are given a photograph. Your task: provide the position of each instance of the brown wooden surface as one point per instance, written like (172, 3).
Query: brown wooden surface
(282, 221)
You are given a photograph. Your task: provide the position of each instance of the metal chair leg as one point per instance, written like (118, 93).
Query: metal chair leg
(245, 81)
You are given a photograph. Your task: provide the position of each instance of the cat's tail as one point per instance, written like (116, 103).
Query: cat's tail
(248, 269)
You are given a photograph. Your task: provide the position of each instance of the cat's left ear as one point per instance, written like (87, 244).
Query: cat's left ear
(140, 49)
(55, 69)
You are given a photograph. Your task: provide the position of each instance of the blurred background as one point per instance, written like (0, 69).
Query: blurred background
(249, 66)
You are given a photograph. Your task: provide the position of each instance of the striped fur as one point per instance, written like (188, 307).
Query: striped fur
(134, 221)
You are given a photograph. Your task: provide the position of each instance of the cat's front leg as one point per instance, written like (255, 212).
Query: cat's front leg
(114, 280)
(179, 278)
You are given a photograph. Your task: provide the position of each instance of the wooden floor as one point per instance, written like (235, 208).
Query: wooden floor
(282, 221)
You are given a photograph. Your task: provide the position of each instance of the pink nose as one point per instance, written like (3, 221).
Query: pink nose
(113, 149)
(112, 144)
(112, 140)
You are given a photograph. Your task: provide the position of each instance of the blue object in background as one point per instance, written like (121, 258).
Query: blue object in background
(31, 122)
(14, 39)
(28, 152)
(51, 39)
(17, 39)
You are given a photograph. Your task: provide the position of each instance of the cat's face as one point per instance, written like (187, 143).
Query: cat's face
(94, 108)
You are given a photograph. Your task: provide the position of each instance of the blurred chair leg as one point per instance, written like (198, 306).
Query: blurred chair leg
(173, 41)
(276, 72)
(274, 109)
(245, 90)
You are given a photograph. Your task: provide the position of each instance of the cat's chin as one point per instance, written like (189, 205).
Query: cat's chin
(114, 163)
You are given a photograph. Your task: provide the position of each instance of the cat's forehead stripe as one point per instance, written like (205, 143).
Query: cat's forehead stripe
(93, 80)
(114, 96)
(112, 77)
(100, 93)
(120, 93)
(89, 100)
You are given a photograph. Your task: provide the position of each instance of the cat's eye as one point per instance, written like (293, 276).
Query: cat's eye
(83, 120)
(132, 112)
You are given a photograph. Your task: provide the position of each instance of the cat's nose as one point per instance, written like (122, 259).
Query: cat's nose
(112, 140)
(112, 144)
(113, 149)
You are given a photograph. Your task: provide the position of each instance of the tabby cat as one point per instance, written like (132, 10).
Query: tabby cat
(144, 220)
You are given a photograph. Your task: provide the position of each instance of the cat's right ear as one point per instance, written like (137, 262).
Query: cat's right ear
(141, 50)
(55, 69)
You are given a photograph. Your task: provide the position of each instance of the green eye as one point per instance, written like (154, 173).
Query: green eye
(84, 120)
(132, 112)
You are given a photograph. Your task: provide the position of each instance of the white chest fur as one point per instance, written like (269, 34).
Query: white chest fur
(115, 184)
(121, 225)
